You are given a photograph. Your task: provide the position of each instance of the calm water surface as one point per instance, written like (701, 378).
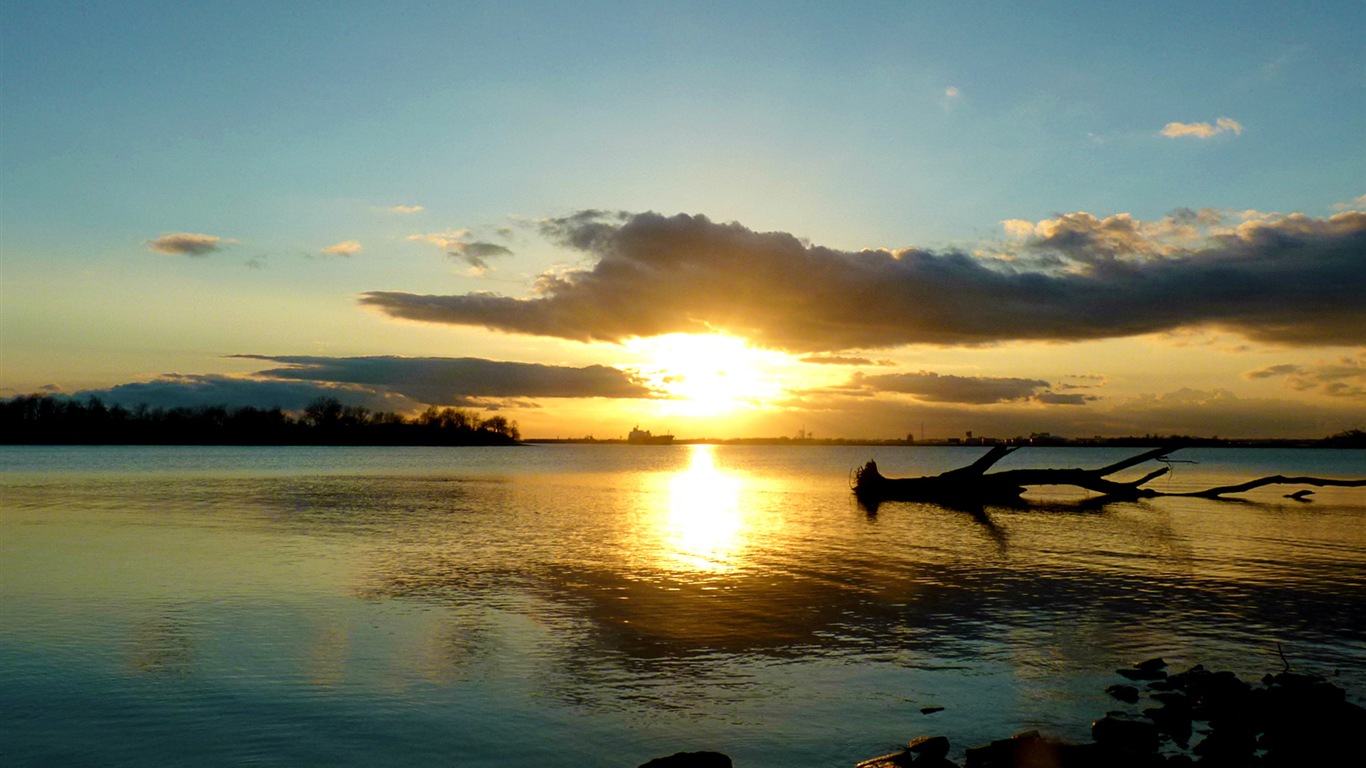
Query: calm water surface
(602, 605)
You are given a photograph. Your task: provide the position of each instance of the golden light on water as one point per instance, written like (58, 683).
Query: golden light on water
(705, 527)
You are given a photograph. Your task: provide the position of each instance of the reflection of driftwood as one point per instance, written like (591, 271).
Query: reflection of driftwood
(972, 484)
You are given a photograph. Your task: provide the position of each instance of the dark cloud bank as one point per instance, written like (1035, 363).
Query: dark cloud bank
(458, 380)
(379, 383)
(200, 390)
(974, 390)
(1293, 279)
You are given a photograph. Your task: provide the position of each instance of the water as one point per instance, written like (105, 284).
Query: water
(602, 605)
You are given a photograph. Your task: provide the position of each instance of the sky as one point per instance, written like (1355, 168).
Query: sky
(869, 219)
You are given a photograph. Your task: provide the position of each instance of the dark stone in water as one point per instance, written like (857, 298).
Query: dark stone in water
(902, 759)
(1125, 733)
(1125, 693)
(930, 710)
(1025, 749)
(702, 759)
(929, 747)
(1293, 719)
(1150, 669)
(1172, 721)
(1172, 699)
(1133, 673)
(1227, 746)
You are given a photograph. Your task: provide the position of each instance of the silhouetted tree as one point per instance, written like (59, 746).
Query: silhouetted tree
(44, 419)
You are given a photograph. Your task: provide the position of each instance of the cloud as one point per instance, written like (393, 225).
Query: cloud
(405, 209)
(444, 240)
(843, 360)
(457, 380)
(1202, 130)
(944, 388)
(456, 244)
(1273, 370)
(1279, 279)
(1057, 398)
(1181, 412)
(197, 390)
(187, 244)
(1357, 204)
(344, 248)
(1344, 377)
(477, 254)
(1083, 240)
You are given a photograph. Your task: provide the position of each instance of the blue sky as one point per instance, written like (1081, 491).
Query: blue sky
(284, 129)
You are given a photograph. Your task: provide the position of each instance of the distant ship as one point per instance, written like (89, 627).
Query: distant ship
(640, 436)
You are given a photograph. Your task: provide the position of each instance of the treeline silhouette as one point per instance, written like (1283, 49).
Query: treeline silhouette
(54, 420)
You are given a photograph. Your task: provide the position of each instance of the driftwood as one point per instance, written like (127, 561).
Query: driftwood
(974, 485)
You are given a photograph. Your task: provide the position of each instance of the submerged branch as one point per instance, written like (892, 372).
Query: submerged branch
(1321, 482)
(973, 485)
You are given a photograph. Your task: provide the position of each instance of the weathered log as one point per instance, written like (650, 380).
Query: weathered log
(974, 485)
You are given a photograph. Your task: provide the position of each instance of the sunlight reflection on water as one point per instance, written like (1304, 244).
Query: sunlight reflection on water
(706, 527)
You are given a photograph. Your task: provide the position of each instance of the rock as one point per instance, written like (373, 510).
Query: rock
(1125, 733)
(1172, 699)
(1124, 693)
(1227, 746)
(1021, 750)
(1151, 665)
(1151, 669)
(930, 710)
(1181, 679)
(902, 759)
(1173, 721)
(929, 747)
(702, 759)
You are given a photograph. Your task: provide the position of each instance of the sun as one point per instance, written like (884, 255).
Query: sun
(708, 375)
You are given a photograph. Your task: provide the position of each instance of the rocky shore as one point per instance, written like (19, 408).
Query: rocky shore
(1194, 717)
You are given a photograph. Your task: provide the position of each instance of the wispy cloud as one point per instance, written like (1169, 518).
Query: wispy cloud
(444, 240)
(1181, 412)
(1357, 204)
(477, 253)
(457, 245)
(1289, 279)
(1203, 130)
(405, 209)
(344, 248)
(188, 244)
(844, 360)
(1344, 377)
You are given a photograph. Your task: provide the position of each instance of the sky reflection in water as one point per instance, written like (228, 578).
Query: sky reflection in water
(633, 602)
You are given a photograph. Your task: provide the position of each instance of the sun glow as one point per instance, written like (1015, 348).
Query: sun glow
(708, 375)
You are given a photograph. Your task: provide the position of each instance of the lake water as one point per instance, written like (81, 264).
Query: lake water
(603, 605)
